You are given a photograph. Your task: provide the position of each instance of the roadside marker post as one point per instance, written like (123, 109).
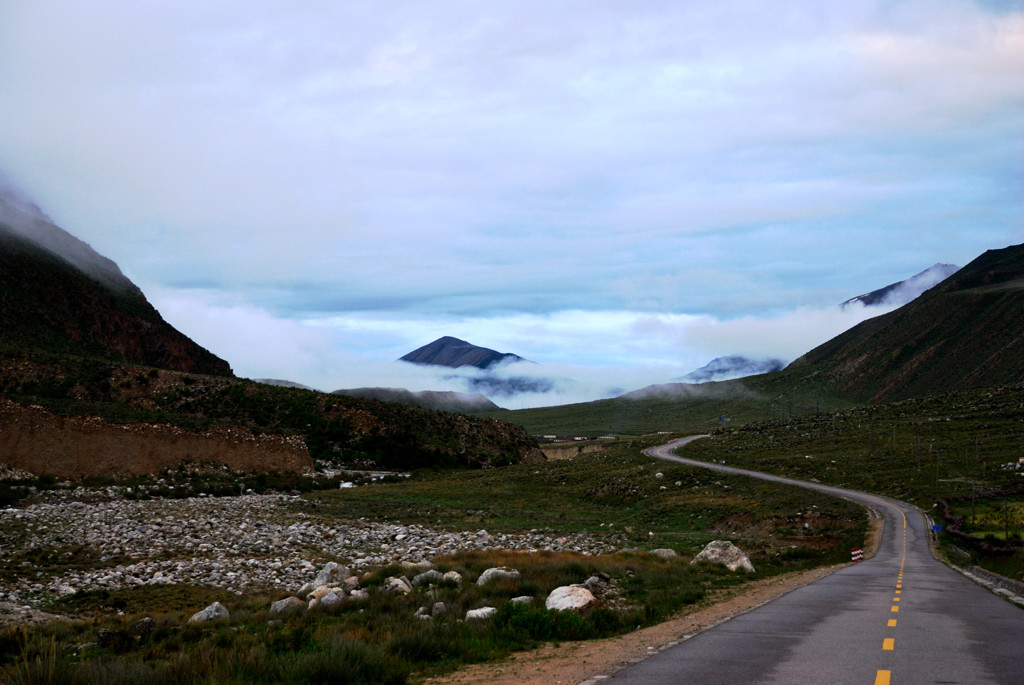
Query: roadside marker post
(856, 554)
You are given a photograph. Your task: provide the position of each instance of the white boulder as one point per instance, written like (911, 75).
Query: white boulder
(287, 605)
(569, 597)
(481, 614)
(395, 585)
(330, 600)
(725, 553)
(497, 573)
(433, 576)
(331, 574)
(214, 612)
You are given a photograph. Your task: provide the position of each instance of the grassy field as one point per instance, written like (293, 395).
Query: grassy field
(690, 409)
(949, 446)
(617, 493)
(954, 447)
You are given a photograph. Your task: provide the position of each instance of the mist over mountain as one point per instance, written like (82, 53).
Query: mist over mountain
(902, 292)
(20, 217)
(283, 383)
(732, 366)
(443, 400)
(59, 295)
(509, 386)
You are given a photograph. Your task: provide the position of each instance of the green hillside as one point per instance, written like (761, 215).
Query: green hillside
(967, 332)
(684, 408)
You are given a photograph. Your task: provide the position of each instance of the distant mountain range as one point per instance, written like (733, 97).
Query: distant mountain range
(904, 291)
(455, 353)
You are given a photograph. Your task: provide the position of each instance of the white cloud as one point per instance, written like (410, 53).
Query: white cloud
(586, 183)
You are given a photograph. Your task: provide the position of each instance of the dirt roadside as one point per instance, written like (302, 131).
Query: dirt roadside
(577, 662)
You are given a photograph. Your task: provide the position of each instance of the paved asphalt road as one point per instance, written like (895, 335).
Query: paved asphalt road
(899, 618)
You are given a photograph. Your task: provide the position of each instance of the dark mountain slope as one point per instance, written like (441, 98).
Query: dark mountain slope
(81, 304)
(452, 352)
(966, 332)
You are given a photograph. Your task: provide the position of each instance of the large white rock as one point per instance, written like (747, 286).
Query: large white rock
(725, 553)
(287, 606)
(214, 612)
(480, 614)
(320, 592)
(330, 600)
(331, 574)
(497, 573)
(395, 585)
(664, 553)
(569, 597)
(433, 576)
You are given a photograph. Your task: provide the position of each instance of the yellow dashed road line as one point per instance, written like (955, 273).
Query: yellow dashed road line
(889, 643)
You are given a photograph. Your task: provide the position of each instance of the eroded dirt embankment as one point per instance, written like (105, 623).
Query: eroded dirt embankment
(44, 443)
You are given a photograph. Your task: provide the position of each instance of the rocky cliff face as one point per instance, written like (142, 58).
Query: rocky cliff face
(44, 443)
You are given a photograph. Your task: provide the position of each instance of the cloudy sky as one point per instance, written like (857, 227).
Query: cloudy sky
(619, 191)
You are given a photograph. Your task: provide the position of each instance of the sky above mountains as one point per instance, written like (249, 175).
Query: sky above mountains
(618, 191)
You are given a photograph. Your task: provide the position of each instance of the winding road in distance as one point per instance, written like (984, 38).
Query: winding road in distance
(899, 618)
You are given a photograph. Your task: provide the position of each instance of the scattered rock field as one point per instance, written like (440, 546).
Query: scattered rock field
(241, 544)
